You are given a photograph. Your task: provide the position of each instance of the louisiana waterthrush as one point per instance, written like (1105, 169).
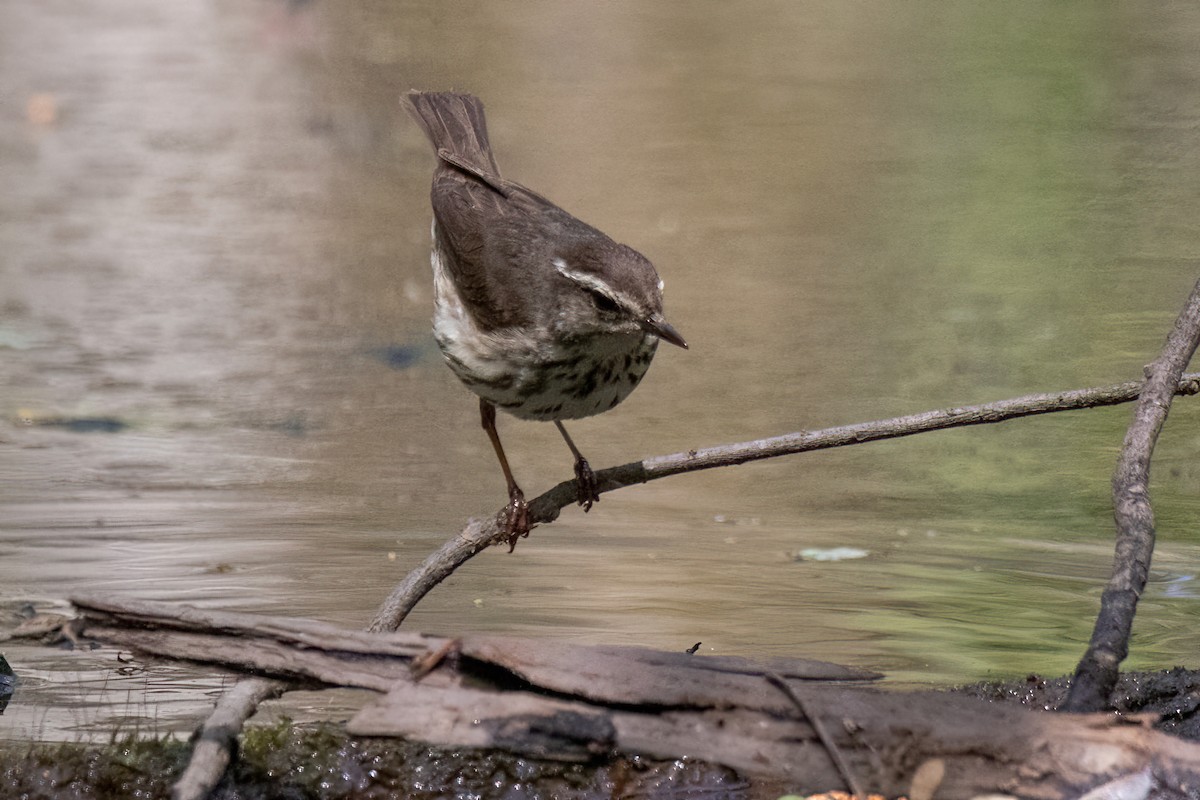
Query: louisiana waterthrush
(538, 313)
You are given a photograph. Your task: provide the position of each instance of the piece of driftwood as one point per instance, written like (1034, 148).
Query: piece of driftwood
(308, 651)
(566, 701)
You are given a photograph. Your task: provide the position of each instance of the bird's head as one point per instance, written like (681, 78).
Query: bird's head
(615, 290)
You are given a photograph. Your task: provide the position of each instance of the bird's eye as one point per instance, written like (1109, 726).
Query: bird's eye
(603, 302)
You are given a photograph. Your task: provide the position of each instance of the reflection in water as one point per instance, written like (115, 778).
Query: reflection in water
(215, 244)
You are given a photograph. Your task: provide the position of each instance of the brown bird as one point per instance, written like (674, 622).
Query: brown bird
(538, 313)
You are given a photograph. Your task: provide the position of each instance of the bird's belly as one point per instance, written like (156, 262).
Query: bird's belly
(511, 372)
(582, 382)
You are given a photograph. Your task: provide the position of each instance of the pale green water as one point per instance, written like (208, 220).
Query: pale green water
(860, 211)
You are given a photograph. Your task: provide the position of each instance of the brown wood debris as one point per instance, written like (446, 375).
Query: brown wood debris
(557, 700)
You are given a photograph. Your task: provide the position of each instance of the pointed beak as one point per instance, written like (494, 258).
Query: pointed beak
(663, 330)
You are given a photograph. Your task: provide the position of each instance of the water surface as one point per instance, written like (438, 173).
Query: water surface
(218, 384)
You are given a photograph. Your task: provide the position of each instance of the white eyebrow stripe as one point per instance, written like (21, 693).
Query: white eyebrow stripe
(589, 282)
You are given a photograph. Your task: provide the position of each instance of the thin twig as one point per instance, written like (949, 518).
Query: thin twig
(1097, 672)
(835, 755)
(481, 533)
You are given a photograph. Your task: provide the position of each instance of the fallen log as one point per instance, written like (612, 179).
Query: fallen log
(308, 651)
(565, 701)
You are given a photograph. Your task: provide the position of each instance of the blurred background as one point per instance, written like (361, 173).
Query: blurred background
(218, 384)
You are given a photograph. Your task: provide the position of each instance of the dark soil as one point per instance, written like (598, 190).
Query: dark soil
(1171, 695)
(285, 762)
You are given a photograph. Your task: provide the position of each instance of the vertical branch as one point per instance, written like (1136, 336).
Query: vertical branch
(1096, 674)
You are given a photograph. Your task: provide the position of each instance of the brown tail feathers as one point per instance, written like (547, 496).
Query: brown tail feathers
(454, 122)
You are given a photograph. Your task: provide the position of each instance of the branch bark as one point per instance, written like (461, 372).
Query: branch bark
(482, 533)
(1097, 672)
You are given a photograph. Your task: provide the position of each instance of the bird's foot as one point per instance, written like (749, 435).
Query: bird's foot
(587, 488)
(516, 518)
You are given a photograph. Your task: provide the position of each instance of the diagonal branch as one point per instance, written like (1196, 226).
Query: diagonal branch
(1097, 672)
(482, 533)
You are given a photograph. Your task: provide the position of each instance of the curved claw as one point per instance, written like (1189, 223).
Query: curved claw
(516, 519)
(586, 486)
